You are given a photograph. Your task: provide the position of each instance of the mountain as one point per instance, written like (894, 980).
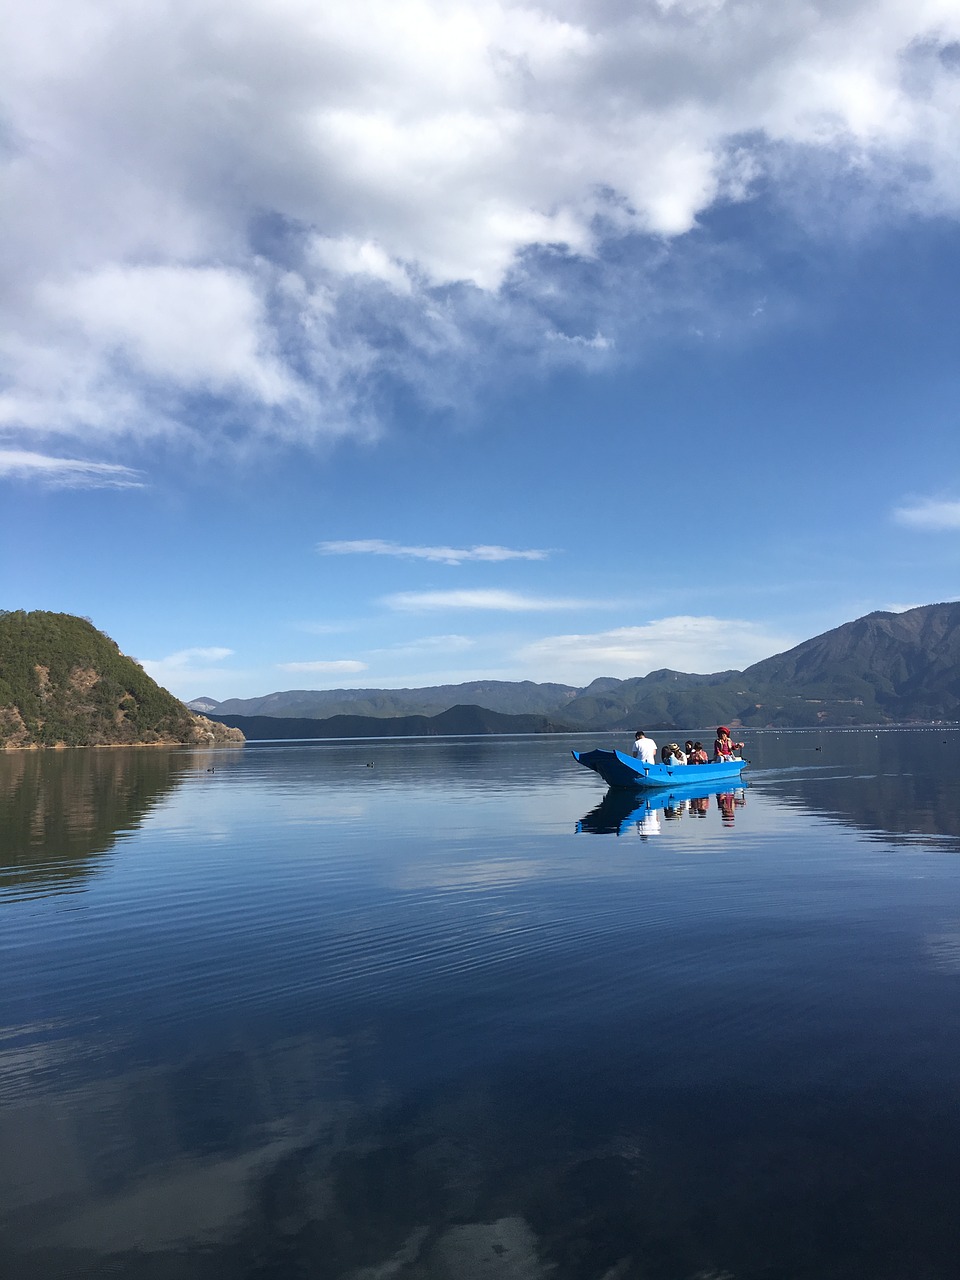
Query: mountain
(459, 720)
(884, 668)
(64, 683)
(908, 663)
(203, 705)
(511, 697)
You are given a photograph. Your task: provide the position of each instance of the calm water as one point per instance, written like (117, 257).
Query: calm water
(443, 1011)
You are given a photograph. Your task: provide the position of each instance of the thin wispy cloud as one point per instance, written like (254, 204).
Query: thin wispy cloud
(429, 646)
(933, 514)
(502, 601)
(325, 628)
(439, 554)
(457, 148)
(67, 473)
(336, 666)
(186, 657)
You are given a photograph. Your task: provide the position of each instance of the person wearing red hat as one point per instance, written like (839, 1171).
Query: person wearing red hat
(723, 748)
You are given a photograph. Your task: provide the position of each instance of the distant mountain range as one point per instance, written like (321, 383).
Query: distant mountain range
(510, 698)
(880, 669)
(458, 720)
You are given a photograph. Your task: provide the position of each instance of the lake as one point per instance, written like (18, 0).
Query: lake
(444, 1010)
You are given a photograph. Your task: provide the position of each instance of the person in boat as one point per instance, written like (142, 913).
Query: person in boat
(723, 747)
(673, 754)
(698, 755)
(688, 750)
(644, 748)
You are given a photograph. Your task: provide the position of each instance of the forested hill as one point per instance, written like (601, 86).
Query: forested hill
(884, 668)
(64, 683)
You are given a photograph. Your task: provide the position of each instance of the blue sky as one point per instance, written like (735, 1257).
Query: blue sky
(409, 343)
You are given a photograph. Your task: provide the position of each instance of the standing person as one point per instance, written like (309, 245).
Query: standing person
(644, 748)
(723, 748)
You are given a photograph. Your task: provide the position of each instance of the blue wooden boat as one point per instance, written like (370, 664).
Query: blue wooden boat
(620, 770)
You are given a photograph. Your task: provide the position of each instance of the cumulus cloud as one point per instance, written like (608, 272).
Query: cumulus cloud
(929, 513)
(442, 555)
(270, 209)
(504, 601)
(187, 666)
(682, 643)
(337, 666)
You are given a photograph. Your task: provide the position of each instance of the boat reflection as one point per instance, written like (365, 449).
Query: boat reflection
(622, 810)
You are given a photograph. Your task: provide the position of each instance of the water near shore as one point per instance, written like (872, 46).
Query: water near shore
(439, 1010)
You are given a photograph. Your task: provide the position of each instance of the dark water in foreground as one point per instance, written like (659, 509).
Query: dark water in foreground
(456, 1016)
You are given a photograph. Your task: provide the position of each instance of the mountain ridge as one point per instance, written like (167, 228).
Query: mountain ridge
(882, 668)
(461, 720)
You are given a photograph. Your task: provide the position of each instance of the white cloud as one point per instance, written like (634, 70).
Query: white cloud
(682, 643)
(184, 657)
(504, 601)
(325, 628)
(66, 472)
(929, 513)
(201, 328)
(430, 645)
(187, 667)
(338, 666)
(272, 205)
(442, 555)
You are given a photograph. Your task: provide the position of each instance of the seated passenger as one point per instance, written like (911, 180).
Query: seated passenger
(723, 747)
(698, 756)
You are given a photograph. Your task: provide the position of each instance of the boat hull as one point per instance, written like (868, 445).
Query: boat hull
(620, 770)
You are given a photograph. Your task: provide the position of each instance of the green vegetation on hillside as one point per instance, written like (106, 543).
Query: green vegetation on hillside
(64, 683)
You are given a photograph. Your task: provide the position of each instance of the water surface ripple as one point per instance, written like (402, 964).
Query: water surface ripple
(444, 1009)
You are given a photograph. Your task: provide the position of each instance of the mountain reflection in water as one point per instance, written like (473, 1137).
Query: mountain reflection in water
(60, 811)
(900, 784)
